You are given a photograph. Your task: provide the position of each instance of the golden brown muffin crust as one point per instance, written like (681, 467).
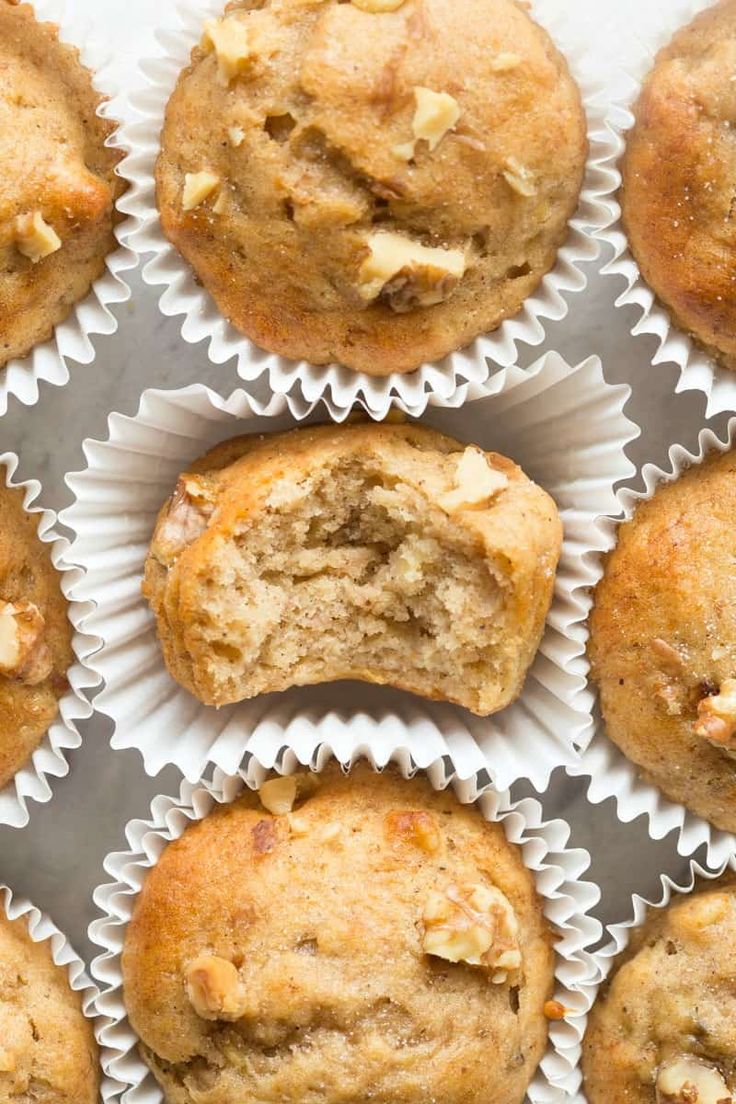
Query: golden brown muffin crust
(321, 912)
(364, 571)
(678, 173)
(303, 143)
(53, 163)
(663, 638)
(27, 575)
(48, 1052)
(671, 996)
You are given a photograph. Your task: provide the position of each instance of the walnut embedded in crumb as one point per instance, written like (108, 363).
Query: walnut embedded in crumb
(232, 42)
(236, 135)
(265, 837)
(406, 274)
(519, 178)
(716, 721)
(690, 1080)
(475, 483)
(376, 6)
(24, 654)
(419, 828)
(8, 1062)
(190, 509)
(278, 795)
(34, 237)
(504, 63)
(670, 659)
(436, 113)
(197, 188)
(297, 826)
(214, 988)
(475, 924)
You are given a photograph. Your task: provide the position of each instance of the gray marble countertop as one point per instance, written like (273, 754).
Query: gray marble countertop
(57, 860)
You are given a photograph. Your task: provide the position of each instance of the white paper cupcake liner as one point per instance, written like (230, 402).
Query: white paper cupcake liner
(604, 960)
(444, 382)
(558, 871)
(610, 773)
(655, 24)
(72, 338)
(34, 780)
(42, 929)
(131, 474)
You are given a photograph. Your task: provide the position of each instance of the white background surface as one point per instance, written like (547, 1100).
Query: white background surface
(57, 860)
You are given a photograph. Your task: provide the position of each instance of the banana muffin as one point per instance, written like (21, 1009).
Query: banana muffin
(354, 937)
(58, 184)
(387, 553)
(48, 1052)
(678, 200)
(663, 640)
(663, 1028)
(35, 636)
(373, 182)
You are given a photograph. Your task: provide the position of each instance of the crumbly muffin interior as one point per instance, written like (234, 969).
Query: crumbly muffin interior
(348, 573)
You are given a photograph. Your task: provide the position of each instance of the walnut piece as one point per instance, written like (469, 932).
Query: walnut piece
(329, 833)
(24, 654)
(435, 114)
(8, 1062)
(520, 179)
(197, 188)
(188, 515)
(474, 924)
(231, 40)
(378, 5)
(34, 237)
(716, 721)
(236, 135)
(278, 795)
(214, 988)
(476, 483)
(689, 1080)
(504, 63)
(418, 828)
(407, 274)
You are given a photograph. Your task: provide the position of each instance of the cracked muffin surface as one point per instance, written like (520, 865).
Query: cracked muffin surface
(662, 1028)
(369, 183)
(58, 185)
(48, 1052)
(35, 635)
(678, 197)
(349, 938)
(663, 640)
(386, 553)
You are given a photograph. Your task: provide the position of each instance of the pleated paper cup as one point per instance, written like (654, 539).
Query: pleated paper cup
(447, 382)
(34, 780)
(42, 929)
(609, 773)
(132, 473)
(619, 935)
(698, 371)
(558, 871)
(72, 339)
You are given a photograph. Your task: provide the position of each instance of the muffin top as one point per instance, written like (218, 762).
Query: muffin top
(351, 938)
(663, 640)
(664, 1026)
(371, 182)
(35, 636)
(678, 197)
(48, 1052)
(57, 180)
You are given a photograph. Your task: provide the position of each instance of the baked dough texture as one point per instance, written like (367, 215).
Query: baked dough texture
(678, 197)
(663, 640)
(29, 586)
(54, 167)
(670, 1005)
(387, 553)
(323, 991)
(48, 1052)
(321, 124)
